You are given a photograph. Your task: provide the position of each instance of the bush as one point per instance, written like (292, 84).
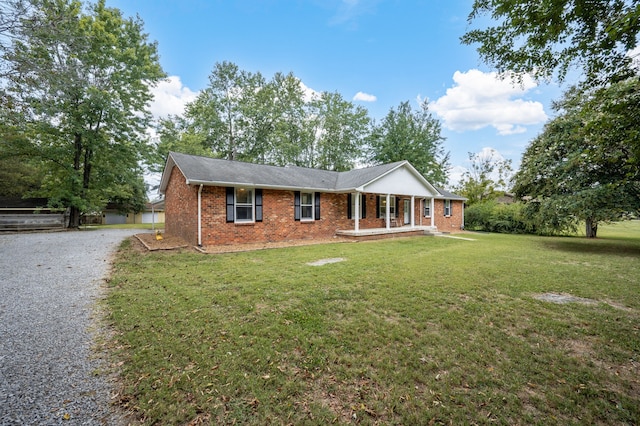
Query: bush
(490, 216)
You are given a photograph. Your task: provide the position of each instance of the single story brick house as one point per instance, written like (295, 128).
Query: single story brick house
(211, 202)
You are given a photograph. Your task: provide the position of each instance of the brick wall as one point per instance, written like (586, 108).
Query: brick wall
(448, 223)
(181, 208)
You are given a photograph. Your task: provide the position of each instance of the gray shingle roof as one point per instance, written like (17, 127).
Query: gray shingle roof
(449, 195)
(212, 171)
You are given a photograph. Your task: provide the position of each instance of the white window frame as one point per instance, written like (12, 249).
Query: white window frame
(447, 208)
(251, 205)
(304, 218)
(392, 206)
(427, 209)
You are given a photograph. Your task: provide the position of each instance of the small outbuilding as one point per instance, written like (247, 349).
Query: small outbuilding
(215, 202)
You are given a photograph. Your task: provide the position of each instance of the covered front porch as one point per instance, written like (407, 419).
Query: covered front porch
(378, 233)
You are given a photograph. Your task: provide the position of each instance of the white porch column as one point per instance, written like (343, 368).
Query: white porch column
(357, 211)
(413, 211)
(387, 212)
(431, 205)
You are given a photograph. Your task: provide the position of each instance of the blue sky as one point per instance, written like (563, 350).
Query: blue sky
(376, 53)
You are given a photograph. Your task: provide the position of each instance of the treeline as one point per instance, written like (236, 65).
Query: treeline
(243, 116)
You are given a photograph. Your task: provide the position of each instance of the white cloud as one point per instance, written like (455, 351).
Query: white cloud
(479, 100)
(170, 97)
(349, 10)
(364, 97)
(455, 175)
(309, 93)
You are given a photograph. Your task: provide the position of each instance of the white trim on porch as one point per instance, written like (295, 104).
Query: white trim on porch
(385, 231)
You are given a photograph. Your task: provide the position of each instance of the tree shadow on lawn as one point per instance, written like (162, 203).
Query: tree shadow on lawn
(608, 246)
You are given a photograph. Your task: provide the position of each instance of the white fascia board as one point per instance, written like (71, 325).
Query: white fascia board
(166, 173)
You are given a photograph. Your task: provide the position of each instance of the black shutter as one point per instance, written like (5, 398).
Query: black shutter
(363, 207)
(444, 203)
(349, 212)
(397, 206)
(258, 205)
(378, 206)
(296, 205)
(230, 197)
(317, 202)
(450, 208)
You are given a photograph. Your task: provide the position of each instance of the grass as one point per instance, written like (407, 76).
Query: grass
(408, 331)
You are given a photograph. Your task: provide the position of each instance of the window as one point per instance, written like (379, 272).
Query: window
(383, 206)
(427, 208)
(244, 205)
(306, 206)
(447, 207)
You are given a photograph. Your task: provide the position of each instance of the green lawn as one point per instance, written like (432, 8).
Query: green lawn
(419, 330)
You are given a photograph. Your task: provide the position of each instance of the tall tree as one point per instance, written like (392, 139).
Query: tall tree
(582, 167)
(545, 38)
(79, 83)
(410, 135)
(486, 178)
(338, 130)
(286, 132)
(175, 133)
(221, 112)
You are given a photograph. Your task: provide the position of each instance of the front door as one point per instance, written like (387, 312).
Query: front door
(407, 212)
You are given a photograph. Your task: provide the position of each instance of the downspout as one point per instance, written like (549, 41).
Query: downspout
(200, 216)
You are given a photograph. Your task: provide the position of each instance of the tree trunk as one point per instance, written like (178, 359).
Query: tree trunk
(591, 228)
(74, 213)
(74, 217)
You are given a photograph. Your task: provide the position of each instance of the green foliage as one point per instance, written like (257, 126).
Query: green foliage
(414, 136)
(486, 179)
(77, 93)
(490, 216)
(339, 129)
(549, 37)
(584, 165)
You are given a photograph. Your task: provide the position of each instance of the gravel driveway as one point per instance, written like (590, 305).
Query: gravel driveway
(49, 283)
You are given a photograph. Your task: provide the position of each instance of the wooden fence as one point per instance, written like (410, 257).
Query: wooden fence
(31, 222)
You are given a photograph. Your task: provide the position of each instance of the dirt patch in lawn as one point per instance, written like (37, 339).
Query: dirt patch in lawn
(326, 261)
(564, 298)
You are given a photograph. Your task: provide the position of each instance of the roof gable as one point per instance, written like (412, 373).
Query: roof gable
(398, 178)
